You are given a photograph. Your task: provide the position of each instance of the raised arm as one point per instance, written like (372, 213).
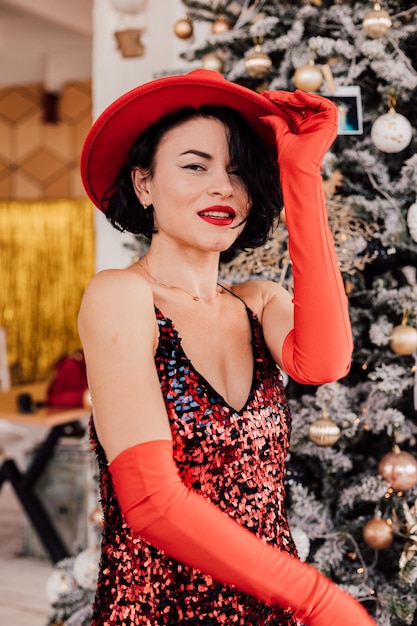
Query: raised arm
(318, 348)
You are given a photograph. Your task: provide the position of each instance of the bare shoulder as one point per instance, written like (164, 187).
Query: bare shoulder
(257, 294)
(116, 296)
(112, 288)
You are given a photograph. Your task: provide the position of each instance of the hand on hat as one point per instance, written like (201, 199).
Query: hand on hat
(314, 126)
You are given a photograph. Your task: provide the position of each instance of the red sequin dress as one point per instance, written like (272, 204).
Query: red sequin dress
(235, 459)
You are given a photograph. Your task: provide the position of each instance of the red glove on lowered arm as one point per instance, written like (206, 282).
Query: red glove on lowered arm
(159, 507)
(319, 348)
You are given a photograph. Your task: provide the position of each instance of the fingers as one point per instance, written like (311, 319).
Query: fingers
(320, 103)
(298, 100)
(278, 124)
(284, 98)
(311, 127)
(307, 112)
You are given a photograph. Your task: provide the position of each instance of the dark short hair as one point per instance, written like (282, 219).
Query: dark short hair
(255, 160)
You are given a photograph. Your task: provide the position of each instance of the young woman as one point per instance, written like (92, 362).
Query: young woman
(190, 421)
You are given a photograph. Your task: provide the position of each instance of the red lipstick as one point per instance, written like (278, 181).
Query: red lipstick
(218, 215)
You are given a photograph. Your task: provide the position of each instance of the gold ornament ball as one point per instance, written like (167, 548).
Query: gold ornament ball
(258, 63)
(183, 28)
(212, 61)
(221, 25)
(399, 469)
(377, 533)
(377, 22)
(324, 432)
(403, 339)
(308, 77)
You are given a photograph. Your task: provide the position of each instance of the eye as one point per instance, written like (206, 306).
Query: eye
(234, 171)
(195, 167)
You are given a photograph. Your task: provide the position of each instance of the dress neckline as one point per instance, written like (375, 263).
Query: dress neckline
(209, 387)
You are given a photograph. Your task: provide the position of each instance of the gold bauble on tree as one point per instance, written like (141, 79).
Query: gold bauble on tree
(323, 431)
(183, 28)
(308, 77)
(377, 533)
(377, 22)
(212, 61)
(403, 339)
(399, 469)
(257, 64)
(220, 25)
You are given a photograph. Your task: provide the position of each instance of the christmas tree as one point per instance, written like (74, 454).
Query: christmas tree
(352, 470)
(352, 495)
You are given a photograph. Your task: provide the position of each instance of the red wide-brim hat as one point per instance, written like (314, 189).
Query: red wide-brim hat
(116, 130)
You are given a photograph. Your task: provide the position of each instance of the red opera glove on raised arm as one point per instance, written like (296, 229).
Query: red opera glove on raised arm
(319, 348)
(158, 506)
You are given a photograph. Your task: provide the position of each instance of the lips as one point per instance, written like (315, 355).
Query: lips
(218, 215)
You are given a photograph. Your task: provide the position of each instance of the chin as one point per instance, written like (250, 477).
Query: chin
(223, 245)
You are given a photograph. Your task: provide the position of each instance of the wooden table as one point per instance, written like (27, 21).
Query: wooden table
(59, 422)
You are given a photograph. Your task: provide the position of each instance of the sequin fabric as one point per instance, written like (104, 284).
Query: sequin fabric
(235, 459)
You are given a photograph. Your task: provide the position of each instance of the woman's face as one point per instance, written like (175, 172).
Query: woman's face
(198, 196)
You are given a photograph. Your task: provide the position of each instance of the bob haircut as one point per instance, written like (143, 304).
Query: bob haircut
(252, 156)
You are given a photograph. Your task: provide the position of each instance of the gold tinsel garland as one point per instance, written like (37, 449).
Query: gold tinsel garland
(46, 261)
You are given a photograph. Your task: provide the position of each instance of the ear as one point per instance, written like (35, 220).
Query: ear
(140, 181)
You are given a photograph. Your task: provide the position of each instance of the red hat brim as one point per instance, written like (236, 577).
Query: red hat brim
(116, 130)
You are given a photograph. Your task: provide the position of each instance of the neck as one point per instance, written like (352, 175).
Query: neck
(195, 277)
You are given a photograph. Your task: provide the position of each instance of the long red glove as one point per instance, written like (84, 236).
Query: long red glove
(319, 348)
(158, 506)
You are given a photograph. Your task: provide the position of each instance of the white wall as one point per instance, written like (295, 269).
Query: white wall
(33, 50)
(113, 75)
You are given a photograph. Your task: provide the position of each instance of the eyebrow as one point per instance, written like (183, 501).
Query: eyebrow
(203, 155)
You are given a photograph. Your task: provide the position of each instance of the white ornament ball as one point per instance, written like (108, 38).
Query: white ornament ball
(412, 221)
(391, 132)
(212, 61)
(131, 7)
(86, 568)
(59, 584)
(302, 542)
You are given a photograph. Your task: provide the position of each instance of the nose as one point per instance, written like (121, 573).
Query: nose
(221, 184)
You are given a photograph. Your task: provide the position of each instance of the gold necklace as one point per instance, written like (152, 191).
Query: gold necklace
(195, 298)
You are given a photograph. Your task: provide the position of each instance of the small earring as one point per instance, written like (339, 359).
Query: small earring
(145, 206)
